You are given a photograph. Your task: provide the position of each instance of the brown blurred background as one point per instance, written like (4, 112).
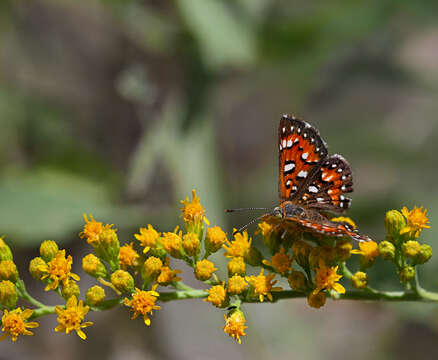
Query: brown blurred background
(120, 107)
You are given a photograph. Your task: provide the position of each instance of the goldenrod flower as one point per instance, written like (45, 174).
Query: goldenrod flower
(239, 247)
(326, 254)
(394, 222)
(411, 248)
(172, 243)
(5, 250)
(152, 268)
(300, 252)
(416, 221)
(424, 255)
(316, 300)
(192, 211)
(191, 244)
(204, 269)
(128, 256)
(217, 295)
(235, 325)
(326, 278)
(407, 273)
(143, 303)
(38, 268)
(281, 262)
(95, 295)
(148, 237)
(15, 323)
(386, 250)
(48, 250)
(122, 281)
(58, 270)
(70, 318)
(264, 228)
(8, 270)
(167, 275)
(69, 290)
(8, 294)
(93, 266)
(343, 249)
(369, 251)
(92, 230)
(263, 285)
(359, 280)
(215, 239)
(236, 285)
(297, 281)
(236, 266)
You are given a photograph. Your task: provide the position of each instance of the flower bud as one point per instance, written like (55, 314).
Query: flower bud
(387, 250)
(297, 281)
(5, 251)
(411, 248)
(269, 236)
(94, 267)
(394, 222)
(69, 290)
(236, 266)
(122, 281)
(327, 254)
(151, 269)
(172, 243)
(8, 294)
(48, 250)
(204, 269)
(359, 280)
(316, 300)
(108, 246)
(215, 239)
(424, 255)
(343, 249)
(191, 244)
(95, 295)
(236, 285)
(8, 271)
(253, 257)
(37, 268)
(301, 251)
(406, 274)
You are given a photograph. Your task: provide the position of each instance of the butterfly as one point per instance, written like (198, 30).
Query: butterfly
(311, 183)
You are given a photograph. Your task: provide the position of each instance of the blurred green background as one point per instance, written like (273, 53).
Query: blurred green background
(120, 107)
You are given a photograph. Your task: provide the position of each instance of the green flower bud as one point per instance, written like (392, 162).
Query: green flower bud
(151, 269)
(191, 244)
(38, 268)
(359, 280)
(123, 281)
(71, 289)
(394, 222)
(8, 294)
(387, 250)
(407, 274)
(95, 295)
(158, 252)
(253, 257)
(108, 246)
(297, 281)
(93, 266)
(214, 239)
(48, 250)
(424, 254)
(411, 249)
(8, 271)
(236, 266)
(5, 251)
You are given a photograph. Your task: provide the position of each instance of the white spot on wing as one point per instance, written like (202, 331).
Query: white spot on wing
(284, 130)
(334, 166)
(344, 177)
(342, 197)
(289, 143)
(313, 189)
(339, 170)
(302, 174)
(289, 167)
(304, 156)
(320, 199)
(281, 148)
(284, 143)
(343, 188)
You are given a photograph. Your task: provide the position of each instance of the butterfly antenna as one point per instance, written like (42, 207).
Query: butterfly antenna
(244, 209)
(244, 227)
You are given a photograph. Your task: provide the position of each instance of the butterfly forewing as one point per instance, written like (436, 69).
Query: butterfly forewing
(301, 151)
(328, 186)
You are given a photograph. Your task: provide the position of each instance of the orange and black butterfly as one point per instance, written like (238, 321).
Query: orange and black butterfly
(311, 183)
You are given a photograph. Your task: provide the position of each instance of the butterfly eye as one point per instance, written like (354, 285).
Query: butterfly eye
(278, 212)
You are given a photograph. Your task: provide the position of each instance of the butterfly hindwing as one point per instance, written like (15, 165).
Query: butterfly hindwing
(328, 186)
(301, 151)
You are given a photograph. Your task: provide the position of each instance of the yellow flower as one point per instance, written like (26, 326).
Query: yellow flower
(128, 256)
(93, 266)
(264, 228)
(48, 250)
(148, 237)
(204, 269)
(122, 281)
(8, 270)
(297, 281)
(316, 300)
(71, 317)
(15, 323)
(342, 219)
(37, 268)
(239, 247)
(58, 270)
(5, 250)
(326, 278)
(92, 230)
(236, 266)
(217, 295)
(369, 251)
(236, 284)
(235, 325)
(411, 248)
(192, 211)
(167, 275)
(172, 243)
(143, 303)
(215, 239)
(281, 262)
(152, 268)
(263, 285)
(95, 295)
(359, 280)
(416, 221)
(8, 294)
(191, 244)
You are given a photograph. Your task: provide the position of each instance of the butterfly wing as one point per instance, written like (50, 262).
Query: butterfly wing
(329, 184)
(301, 152)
